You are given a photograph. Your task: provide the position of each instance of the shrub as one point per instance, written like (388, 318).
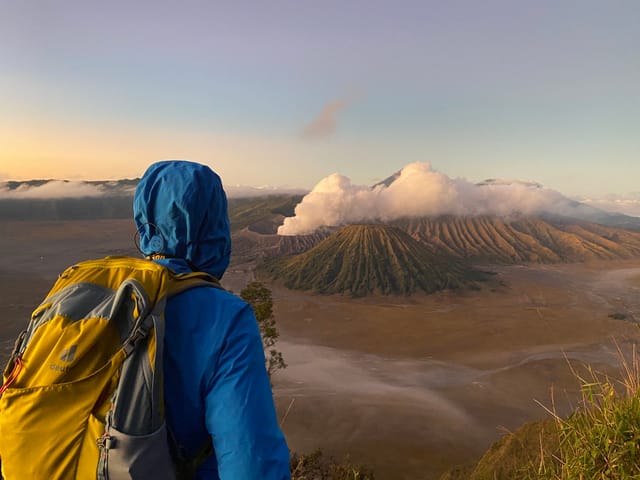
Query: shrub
(315, 466)
(261, 300)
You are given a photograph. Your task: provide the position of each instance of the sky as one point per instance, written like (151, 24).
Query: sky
(286, 93)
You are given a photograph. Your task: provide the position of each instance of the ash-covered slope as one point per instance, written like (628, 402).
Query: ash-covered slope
(489, 239)
(366, 259)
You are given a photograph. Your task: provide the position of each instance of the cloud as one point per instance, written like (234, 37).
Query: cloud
(51, 189)
(627, 204)
(419, 190)
(325, 124)
(78, 189)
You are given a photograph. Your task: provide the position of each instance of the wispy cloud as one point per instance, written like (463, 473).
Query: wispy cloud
(628, 204)
(325, 123)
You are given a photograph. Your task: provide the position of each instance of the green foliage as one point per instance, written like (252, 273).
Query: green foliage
(315, 466)
(260, 298)
(601, 439)
(517, 455)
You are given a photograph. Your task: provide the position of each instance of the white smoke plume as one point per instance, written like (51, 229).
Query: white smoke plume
(51, 189)
(418, 190)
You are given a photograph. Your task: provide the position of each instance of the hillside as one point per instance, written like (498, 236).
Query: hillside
(261, 214)
(110, 200)
(488, 239)
(364, 259)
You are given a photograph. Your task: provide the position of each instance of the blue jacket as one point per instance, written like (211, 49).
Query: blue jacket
(215, 378)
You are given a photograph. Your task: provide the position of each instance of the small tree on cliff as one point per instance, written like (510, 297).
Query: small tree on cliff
(259, 297)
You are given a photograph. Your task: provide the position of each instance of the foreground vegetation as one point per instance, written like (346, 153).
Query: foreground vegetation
(316, 466)
(600, 440)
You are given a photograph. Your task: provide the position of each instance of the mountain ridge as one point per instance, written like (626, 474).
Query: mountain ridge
(525, 239)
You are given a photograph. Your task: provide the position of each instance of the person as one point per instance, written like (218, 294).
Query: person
(216, 382)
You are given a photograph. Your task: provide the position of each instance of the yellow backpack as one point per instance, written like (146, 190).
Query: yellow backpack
(82, 394)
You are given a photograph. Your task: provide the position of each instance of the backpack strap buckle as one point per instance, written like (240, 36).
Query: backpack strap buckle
(136, 337)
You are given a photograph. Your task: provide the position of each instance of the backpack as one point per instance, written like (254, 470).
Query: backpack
(82, 394)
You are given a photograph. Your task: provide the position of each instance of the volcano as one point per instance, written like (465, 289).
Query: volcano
(359, 260)
(489, 239)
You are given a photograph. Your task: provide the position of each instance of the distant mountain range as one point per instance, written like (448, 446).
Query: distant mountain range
(83, 200)
(402, 256)
(486, 239)
(47, 199)
(429, 254)
(499, 240)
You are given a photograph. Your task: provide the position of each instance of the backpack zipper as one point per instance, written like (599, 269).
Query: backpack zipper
(17, 366)
(104, 442)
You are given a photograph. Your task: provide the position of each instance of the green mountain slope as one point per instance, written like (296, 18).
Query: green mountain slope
(365, 259)
(261, 214)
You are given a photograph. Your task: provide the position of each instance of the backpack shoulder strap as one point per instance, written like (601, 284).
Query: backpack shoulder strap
(187, 466)
(184, 281)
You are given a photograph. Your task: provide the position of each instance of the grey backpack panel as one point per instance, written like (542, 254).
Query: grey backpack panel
(140, 457)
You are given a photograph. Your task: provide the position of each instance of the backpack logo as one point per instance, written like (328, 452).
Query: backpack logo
(69, 354)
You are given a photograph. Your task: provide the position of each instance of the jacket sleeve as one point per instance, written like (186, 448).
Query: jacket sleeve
(240, 413)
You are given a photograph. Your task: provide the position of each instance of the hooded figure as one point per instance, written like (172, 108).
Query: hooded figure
(214, 372)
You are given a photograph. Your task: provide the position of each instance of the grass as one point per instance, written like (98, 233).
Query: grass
(315, 466)
(601, 439)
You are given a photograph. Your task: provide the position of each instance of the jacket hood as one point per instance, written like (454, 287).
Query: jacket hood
(180, 209)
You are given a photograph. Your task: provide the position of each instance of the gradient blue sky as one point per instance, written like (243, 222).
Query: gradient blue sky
(287, 92)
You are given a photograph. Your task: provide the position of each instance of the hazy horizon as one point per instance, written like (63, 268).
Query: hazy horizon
(288, 93)
(418, 190)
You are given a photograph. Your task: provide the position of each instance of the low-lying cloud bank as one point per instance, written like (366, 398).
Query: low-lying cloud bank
(628, 205)
(60, 189)
(51, 189)
(419, 190)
